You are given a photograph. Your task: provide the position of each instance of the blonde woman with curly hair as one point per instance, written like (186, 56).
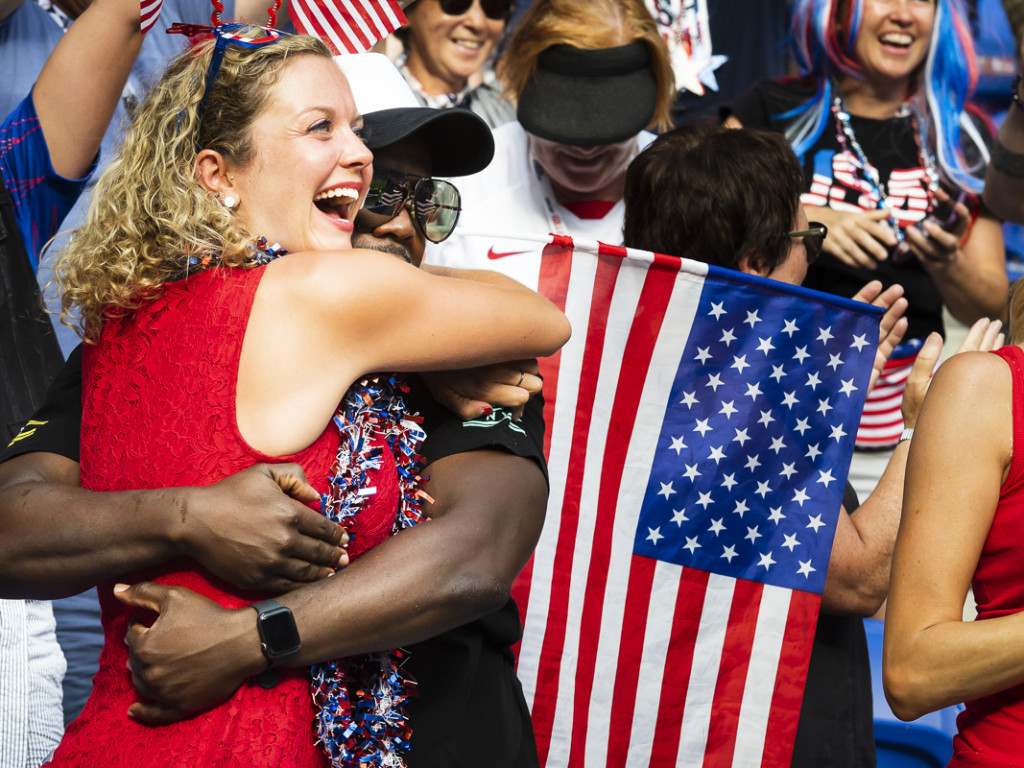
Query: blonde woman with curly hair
(226, 316)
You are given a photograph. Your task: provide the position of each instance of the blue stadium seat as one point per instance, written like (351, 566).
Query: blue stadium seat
(925, 743)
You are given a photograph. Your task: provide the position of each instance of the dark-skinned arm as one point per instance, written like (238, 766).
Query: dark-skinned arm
(440, 574)
(57, 538)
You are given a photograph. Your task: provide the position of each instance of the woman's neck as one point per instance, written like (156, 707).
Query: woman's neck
(866, 99)
(431, 83)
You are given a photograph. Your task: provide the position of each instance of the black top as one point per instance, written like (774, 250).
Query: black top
(836, 727)
(470, 708)
(29, 352)
(889, 145)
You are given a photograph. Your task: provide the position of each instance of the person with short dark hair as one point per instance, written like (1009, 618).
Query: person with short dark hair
(732, 214)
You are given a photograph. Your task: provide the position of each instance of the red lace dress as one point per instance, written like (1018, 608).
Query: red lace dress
(991, 728)
(159, 411)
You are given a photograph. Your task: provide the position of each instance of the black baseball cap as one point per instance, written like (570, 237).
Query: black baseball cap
(459, 141)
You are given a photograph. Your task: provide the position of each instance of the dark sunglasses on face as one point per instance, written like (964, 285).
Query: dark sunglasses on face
(435, 203)
(813, 236)
(493, 9)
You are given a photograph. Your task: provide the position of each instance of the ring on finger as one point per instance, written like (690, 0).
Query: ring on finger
(522, 375)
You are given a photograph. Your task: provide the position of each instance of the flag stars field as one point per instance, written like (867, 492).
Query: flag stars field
(751, 457)
(859, 342)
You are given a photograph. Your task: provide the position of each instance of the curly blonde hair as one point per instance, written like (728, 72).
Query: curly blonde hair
(149, 214)
(588, 24)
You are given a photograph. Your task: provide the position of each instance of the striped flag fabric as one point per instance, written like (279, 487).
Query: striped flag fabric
(700, 427)
(882, 422)
(347, 26)
(149, 12)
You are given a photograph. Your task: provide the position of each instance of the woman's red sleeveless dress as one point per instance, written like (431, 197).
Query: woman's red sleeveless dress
(991, 729)
(159, 411)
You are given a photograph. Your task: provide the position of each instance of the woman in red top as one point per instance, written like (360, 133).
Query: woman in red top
(210, 350)
(963, 526)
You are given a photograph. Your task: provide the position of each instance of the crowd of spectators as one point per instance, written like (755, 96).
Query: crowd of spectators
(169, 456)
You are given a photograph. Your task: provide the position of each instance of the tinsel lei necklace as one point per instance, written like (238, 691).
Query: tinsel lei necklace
(848, 142)
(361, 700)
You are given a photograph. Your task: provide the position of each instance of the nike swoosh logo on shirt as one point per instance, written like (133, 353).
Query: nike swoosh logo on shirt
(493, 254)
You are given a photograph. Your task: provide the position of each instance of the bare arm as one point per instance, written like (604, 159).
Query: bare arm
(83, 78)
(857, 581)
(961, 451)
(281, 544)
(432, 317)
(358, 312)
(255, 12)
(858, 570)
(438, 575)
(1004, 178)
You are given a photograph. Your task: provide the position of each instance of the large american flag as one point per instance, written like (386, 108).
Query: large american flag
(701, 423)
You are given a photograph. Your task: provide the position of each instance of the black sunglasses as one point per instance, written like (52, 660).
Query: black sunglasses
(435, 203)
(493, 9)
(814, 237)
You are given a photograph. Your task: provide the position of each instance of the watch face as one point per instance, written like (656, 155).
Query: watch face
(279, 633)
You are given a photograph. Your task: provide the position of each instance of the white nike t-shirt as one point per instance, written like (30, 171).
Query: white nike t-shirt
(512, 197)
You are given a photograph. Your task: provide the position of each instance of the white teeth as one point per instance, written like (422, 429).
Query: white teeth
(897, 39)
(469, 43)
(348, 192)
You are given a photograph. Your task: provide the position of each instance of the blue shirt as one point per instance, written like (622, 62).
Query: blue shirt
(27, 37)
(41, 197)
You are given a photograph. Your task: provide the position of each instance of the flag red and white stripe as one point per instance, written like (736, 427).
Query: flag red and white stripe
(629, 660)
(149, 12)
(347, 26)
(882, 421)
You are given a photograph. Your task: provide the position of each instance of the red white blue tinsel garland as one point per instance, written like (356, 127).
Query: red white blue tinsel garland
(361, 699)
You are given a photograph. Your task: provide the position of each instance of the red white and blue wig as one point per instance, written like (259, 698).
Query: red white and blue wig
(823, 40)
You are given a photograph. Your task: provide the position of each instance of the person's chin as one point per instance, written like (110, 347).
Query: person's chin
(384, 246)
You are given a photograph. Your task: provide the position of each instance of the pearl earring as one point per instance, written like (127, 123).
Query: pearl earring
(230, 202)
